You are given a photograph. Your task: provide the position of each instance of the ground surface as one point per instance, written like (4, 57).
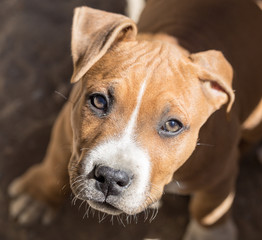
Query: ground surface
(34, 63)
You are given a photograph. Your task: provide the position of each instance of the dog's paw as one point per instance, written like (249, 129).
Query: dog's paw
(226, 231)
(25, 209)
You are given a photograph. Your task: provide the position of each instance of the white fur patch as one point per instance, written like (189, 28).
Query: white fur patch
(125, 154)
(134, 9)
(129, 157)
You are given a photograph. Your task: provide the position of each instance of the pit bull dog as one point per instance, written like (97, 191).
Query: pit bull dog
(154, 110)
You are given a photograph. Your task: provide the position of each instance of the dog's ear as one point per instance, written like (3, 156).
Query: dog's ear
(215, 74)
(93, 33)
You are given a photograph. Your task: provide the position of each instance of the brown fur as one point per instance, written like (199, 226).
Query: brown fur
(190, 86)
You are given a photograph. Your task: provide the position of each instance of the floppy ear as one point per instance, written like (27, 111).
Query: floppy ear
(93, 33)
(216, 75)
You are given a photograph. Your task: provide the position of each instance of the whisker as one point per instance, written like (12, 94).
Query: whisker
(87, 211)
(87, 205)
(79, 186)
(99, 216)
(155, 212)
(103, 217)
(145, 214)
(120, 221)
(151, 199)
(93, 212)
(81, 205)
(74, 200)
(63, 96)
(60, 94)
(135, 218)
(75, 182)
(205, 144)
(178, 184)
(79, 193)
(112, 220)
(128, 218)
(77, 178)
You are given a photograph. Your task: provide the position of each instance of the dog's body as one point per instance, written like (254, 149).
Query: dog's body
(135, 113)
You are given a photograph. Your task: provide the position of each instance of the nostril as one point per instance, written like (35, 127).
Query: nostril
(121, 183)
(123, 179)
(99, 176)
(100, 179)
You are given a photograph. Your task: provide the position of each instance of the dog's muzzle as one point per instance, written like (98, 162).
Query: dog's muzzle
(114, 177)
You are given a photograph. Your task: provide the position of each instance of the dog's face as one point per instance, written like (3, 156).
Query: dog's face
(137, 112)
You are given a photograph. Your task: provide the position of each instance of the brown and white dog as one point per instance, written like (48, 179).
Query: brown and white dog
(141, 105)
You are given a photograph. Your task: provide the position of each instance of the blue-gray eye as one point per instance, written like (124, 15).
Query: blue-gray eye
(99, 102)
(172, 126)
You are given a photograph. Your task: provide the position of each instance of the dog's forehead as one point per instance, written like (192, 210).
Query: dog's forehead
(155, 58)
(130, 63)
(167, 75)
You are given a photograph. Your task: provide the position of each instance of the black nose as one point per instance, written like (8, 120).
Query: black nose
(111, 181)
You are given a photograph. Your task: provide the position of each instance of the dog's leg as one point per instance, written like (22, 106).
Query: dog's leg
(211, 218)
(134, 9)
(210, 212)
(38, 192)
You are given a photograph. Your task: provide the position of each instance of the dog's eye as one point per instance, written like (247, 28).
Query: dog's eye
(172, 126)
(99, 102)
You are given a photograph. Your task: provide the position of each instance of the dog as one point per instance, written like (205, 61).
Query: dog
(161, 110)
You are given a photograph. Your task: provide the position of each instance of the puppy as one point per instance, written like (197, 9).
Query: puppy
(143, 105)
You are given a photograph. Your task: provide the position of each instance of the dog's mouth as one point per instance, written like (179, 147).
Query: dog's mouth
(105, 207)
(86, 191)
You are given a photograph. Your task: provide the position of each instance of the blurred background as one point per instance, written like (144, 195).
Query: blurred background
(35, 63)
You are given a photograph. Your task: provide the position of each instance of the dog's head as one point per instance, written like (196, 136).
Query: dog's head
(137, 110)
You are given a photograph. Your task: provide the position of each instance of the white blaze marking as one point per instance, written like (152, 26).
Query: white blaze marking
(131, 124)
(123, 153)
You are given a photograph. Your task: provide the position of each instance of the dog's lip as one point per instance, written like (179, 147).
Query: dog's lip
(105, 206)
